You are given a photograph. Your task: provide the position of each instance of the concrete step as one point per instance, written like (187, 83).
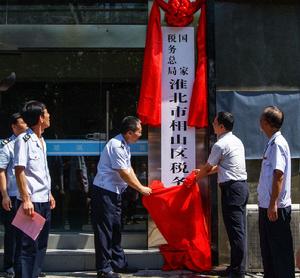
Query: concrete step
(71, 251)
(73, 240)
(130, 240)
(84, 259)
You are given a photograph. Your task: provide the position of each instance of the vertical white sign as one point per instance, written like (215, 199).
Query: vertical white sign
(177, 139)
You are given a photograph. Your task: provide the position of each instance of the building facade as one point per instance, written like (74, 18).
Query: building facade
(84, 60)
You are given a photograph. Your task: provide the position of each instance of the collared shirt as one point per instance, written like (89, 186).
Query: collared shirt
(30, 152)
(7, 163)
(276, 157)
(115, 156)
(228, 154)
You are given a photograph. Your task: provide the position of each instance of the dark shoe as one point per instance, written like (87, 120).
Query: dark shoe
(42, 274)
(126, 270)
(110, 274)
(222, 272)
(236, 275)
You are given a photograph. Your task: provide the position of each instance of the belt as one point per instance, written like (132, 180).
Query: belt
(230, 182)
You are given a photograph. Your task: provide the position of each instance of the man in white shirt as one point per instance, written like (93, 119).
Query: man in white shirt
(9, 191)
(34, 183)
(274, 199)
(114, 173)
(227, 158)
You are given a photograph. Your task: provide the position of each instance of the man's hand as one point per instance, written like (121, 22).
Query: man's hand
(130, 178)
(205, 171)
(28, 208)
(272, 212)
(276, 189)
(146, 191)
(6, 203)
(197, 172)
(52, 202)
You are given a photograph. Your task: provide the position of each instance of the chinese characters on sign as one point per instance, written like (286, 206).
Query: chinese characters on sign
(177, 139)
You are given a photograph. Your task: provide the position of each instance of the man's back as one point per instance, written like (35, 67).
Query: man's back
(115, 155)
(229, 154)
(7, 162)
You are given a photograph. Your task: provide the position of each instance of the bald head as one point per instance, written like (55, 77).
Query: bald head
(273, 116)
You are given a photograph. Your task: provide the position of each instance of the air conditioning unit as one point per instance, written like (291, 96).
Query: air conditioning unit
(253, 259)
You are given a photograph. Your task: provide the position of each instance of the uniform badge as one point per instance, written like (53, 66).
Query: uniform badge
(26, 137)
(123, 145)
(5, 142)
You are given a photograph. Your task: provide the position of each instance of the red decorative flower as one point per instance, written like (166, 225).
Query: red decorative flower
(179, 13)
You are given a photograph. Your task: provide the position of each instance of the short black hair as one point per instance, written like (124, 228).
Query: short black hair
(13, 119)
(226, 119)
(31, 112)
(129, 123)
(273, 116)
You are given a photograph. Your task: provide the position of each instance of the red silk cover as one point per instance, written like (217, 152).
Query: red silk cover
(149, 106)
(198, 111)
(177, 212)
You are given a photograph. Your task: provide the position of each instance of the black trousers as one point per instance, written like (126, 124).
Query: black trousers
(276, 244)
(9, 235)
(106, 207)
(77, 210)
(30, 253)
(234, 199)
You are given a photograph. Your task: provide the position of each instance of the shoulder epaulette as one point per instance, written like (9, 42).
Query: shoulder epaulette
(273, 141)
(5, 142)
(26, 137)
(122, 144)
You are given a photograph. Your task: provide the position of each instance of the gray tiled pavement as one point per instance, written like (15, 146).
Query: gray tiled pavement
(147, 273)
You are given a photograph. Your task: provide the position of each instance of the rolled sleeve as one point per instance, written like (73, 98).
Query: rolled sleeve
(215, 155)
(119, 158)
(278, 158)
(4, 158)
(20, 153)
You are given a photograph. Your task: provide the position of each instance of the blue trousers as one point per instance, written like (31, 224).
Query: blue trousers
(234, 199)
(276, 244)
(106, 219)
(30, 253)
(9, 235)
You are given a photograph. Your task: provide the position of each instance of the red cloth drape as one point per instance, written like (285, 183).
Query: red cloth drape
(178, 214)
(198, 111)
(149, 106)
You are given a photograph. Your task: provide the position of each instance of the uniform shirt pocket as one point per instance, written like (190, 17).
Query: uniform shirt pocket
(267, 168)
(34, 160)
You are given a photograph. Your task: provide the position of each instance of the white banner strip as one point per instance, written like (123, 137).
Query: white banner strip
(177, 139)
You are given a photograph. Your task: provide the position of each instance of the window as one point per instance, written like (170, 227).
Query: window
(77, 87)
(73, 12)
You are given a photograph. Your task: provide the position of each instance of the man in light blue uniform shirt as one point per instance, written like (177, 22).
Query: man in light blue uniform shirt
(34, 185)
(227, 158)
(274, 199)
(9, 191)
(114, 173)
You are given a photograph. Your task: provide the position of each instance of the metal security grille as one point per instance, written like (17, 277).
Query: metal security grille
(253, 260)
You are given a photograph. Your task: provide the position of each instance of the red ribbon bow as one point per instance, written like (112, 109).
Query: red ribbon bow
(179, 13)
